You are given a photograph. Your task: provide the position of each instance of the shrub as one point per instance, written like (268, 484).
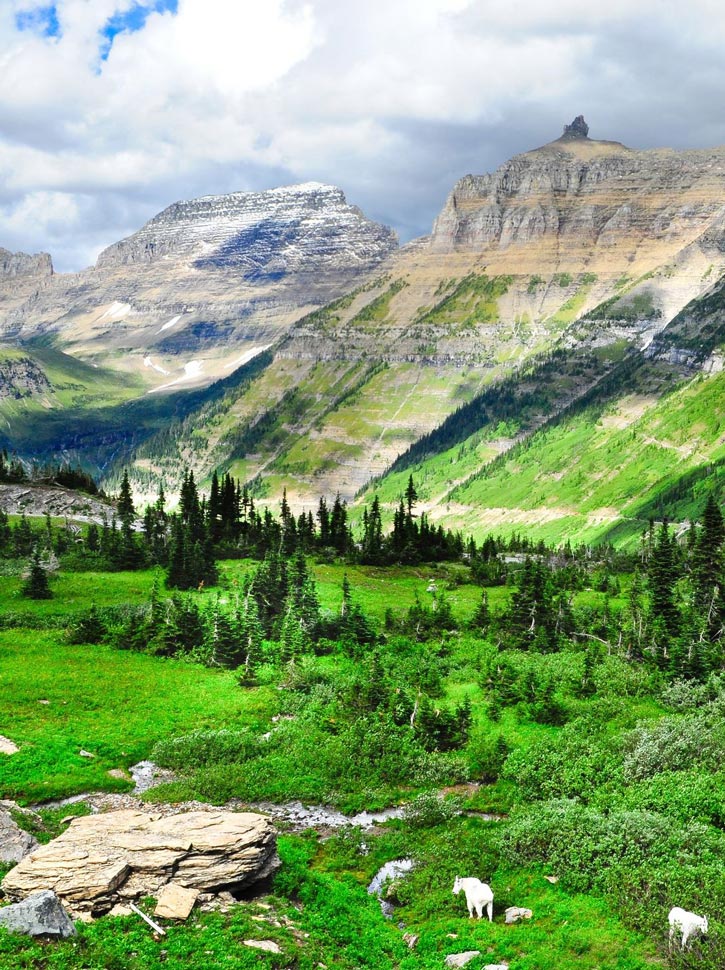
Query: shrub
(430, 809)
(574, 763)
(203, 748)
(675, 744)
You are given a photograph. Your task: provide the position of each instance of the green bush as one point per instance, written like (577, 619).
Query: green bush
(203, 748)
(430, 809)
(576, 762)
(675, 744)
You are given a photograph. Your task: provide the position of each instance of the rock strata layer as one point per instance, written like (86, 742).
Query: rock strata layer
(102, 860)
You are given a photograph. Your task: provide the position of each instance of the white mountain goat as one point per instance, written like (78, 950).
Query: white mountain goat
(689, 924)
(478, 896)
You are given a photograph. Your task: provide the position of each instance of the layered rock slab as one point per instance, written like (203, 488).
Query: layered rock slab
(102, 860)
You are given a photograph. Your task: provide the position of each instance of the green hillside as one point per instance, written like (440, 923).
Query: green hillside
(645, 439)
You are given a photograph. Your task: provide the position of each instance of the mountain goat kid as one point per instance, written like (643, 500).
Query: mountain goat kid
(478, 896)
(689, 924)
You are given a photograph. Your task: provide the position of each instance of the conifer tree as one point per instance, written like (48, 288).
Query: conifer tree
(36, 586)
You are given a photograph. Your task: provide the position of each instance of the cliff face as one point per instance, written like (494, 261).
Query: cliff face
(207, 283)
(578, 198)
(22, 276)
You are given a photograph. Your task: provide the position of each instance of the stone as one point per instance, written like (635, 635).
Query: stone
(461, 959)
(119, 773)
(41, 914)
(120, 910)
(411, 939)
(496, 966)
(15, 844)
(175, 902)
(86, 754)
(113, 857)
(269, 945)
(516, 913)
(7, 746)
(552, 879)
(577, 129)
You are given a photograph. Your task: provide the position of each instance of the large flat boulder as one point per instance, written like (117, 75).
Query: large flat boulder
(101, 860)
(39, 915)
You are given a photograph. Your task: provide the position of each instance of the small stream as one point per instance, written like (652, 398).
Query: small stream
(296, 816)
(388, 873)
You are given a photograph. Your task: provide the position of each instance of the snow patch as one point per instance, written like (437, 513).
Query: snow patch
(170, 323)
(192, 370)
(246, 356)
(117, 310)
(157, 367)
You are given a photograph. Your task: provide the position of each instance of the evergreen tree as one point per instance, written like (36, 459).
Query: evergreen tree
(372, 540)
(482, 616)
(125, 506)
(662, 574)
(36, 586)
(707, 569)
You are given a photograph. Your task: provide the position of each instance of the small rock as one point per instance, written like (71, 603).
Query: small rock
(269, 920)
(452, 936)
(516, 913)
(41, 914)
(15, 844)
(86, 754)
(44, 702)
(496, 966)
(175, 902)
(119, 773)
(269, 945)
(7, 746)
(552, 879)
(120, 910)
(411, 939)
(461, 959)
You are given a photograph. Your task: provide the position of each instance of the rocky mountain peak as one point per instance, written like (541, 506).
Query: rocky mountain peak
(250, 230)
(577, 129)
(15, 265)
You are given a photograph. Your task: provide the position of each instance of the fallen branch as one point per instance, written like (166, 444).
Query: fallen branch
(154, 926)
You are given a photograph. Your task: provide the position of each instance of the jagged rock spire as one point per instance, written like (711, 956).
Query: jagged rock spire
(577, 129)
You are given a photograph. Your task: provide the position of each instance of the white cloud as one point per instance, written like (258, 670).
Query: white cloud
(392, 99)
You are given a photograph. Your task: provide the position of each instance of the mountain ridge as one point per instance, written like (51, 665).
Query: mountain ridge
(579, 252)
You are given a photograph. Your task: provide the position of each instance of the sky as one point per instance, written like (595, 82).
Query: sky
(110, 110)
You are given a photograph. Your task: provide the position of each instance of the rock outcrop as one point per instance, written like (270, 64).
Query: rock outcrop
(22, 277)
(39, 915)
(577, 129)
(102, 860)
(15, 843)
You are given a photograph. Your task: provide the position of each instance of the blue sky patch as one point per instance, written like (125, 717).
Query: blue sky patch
(132, 20)
(41, 20)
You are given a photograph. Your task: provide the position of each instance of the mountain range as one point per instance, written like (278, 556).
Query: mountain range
(549, 358)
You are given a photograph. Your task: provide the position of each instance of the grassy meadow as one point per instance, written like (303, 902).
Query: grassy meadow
(58, 698)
